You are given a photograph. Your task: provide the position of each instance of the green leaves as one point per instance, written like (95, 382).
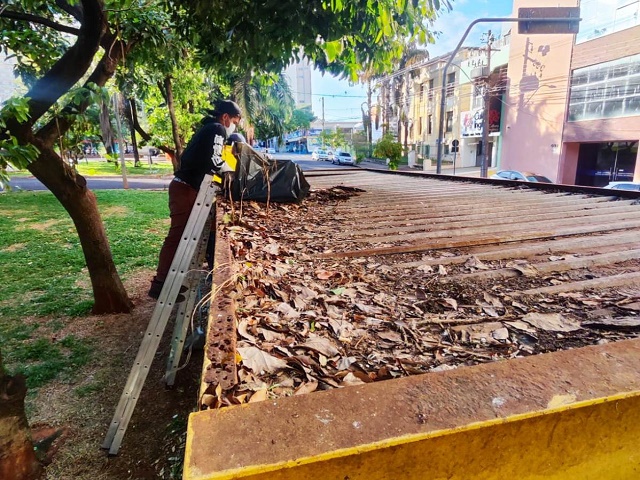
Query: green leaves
(11, 152)
(333, 49)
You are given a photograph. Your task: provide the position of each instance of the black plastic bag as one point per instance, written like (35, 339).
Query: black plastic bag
(259, 179)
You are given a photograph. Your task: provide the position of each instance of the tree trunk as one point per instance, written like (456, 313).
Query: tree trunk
(129, 109)
(168, 92)
(17, 457)
(370, 127)
(69, 187)
(80, 202)
(108, 138)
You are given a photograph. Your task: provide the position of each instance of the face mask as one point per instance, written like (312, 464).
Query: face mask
(230, 129)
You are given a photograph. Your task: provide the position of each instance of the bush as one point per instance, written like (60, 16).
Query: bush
(388, 147)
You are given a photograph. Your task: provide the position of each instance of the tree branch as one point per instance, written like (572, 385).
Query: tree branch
(27, 17)
(76, 11)
(72, 65)
(146, 137)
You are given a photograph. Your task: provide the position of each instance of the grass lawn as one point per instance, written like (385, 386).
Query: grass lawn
(100, 167)
(45, 283)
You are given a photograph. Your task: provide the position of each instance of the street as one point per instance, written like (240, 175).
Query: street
(153, 183)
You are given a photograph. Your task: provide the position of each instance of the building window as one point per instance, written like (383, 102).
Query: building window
(599, 20)
(451, 83)
(431, 89)
(449, 121)
(478, 95)
(421, 92)
(420, 126)
(429, 124)
(606, 90)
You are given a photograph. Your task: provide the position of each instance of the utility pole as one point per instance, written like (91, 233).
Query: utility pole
(484, 168)
(322, 121)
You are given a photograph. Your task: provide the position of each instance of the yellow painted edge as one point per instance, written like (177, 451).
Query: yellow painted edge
(188, 474)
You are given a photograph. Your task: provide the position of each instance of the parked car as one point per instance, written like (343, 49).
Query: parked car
(322, 154)
(634, 186)
(343, 158)
(522, 176)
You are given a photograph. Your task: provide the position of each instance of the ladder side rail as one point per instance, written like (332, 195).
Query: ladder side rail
(162, 311)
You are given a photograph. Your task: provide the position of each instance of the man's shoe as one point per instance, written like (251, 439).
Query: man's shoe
(156, 288)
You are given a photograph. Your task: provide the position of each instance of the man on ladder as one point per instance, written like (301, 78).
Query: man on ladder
(191, 196)
(203, 155)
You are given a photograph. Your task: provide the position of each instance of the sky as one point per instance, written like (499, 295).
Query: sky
(342, 101)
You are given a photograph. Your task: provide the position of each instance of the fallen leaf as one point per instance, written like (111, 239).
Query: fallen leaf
(523, 326)
(391, 336)
(306, 387)
(350, 380)
(425, 268)
(481, 332)
(474, 262)
(322, 345)
(287, 310)
(524, 268)
(324, 274)
(345, 362)
(242, 330)
(451, 302)
(442, 270)
(259, 396)
(368, 309)
(272, 248)
(270, 335)
(619, 323)
(258, 361)
(554, 322)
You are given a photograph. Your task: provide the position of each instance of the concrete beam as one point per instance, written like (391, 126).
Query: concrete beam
(567, 414)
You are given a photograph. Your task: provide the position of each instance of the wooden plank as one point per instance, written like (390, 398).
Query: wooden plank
(602, 282)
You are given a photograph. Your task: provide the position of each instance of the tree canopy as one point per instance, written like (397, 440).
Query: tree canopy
(78, 45)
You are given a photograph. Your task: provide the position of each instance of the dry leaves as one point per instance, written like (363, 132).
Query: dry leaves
(306, 324)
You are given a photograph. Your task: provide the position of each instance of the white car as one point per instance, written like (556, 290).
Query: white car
(343, 158)
(633, 186)
(322, 154)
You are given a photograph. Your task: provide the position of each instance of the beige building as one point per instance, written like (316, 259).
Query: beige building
(424, 110)
(299, 78)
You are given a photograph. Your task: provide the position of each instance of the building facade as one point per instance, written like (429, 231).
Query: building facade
(299, 78)
(573, 108)
(467, 78)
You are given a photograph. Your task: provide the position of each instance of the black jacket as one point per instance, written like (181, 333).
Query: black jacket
(203, 153)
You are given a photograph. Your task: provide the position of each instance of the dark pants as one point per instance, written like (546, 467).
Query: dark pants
(181, 200)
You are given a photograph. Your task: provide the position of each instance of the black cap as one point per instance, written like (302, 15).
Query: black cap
(229, 107)
(236, 137)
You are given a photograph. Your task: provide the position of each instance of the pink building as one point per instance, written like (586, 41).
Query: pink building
(573, 105)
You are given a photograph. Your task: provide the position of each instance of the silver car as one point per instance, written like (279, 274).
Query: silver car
(343, 158)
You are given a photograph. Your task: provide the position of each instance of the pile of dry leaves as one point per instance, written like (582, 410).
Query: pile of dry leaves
(307, 323)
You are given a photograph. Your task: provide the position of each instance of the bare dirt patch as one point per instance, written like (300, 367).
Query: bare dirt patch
(82, 408)
(41, 226)
(14, 248)
(115, 211)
